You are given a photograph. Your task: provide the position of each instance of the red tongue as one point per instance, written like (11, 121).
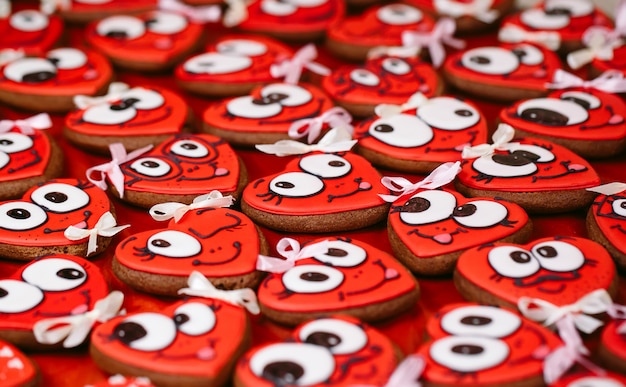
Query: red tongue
(444, 239)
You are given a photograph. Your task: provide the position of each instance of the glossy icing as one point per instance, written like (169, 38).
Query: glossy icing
(617, 63)
(614, 341)
(15, 368)
(333, 351)
(559, 270)
(89, 9)
(609, 213)
(23, 156)
(30, 30)
(587, 378)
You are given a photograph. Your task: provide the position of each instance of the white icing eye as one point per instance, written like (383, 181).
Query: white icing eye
(583, 99)
(402, 131)
(55, 274)
(490, 60)
(139, 98)
(278, 8)
(109, 114)
(448, 114)
(67, 58)
(312, 279)
(20, 216)
(506, 164)
(60, 197)
(575, 8)
(338, 336)
(151, 166)
(146, 332)
(250, 107)
(595, 381)
(295, 364)
(29, 20)
(166, 23)
(286, 94)
(343, 254)
(308, 3)
(326, 166)
(13, 142)
(174, 244)
(469, 354)
(396, 66)
(558, 256)
(480, 213)
(30, 70)
(189, 148)
(428, 206)
(513, 262)
(399, 14)
(537, 153)
(619, 207)
(296, 184)
(194, 318)
(540, 20)
(4, 159)
(552, 112)
(241, 47)
(480, 320)
(528, 55)
(18, 296)
(121, 27)
(214, 63)
(364, 77)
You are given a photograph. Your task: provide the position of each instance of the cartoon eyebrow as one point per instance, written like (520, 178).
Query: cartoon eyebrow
(228, 227)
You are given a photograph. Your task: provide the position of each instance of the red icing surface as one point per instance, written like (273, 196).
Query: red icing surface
(615, 341)
(596, 271)
(15, 368)
(29, 162)
(107, 6)
(617, 63)
(35, 42)
(611, 223)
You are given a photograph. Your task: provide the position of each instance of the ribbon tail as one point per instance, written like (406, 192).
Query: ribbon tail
(273, 265)
(81, 329)
(579, 58)
(46, 334)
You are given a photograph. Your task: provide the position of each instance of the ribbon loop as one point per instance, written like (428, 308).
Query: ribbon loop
(236, 12)
(439, 177)
(291, 69)
(611, 81)
(312, 127)
(442, 33)
(501, 141)
(9, 55)
(336, 140)
(479, 9)
(106, 226)
(397, 51)
(198, 14)
(600, 42)
(27, 126)
(415, 101)
(5, 9)
(115, 93)
(169, 210)
(291, 251)
(510, 33)
(200, 286)
(50, 6)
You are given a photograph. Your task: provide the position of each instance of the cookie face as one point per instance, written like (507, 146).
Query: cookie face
(342, 349)
(609, 213)
(559, 270)
(484, 345)
(23, 156)
(16, 369)
(30, 30)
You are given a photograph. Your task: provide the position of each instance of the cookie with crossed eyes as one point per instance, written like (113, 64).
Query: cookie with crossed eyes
(29, 30)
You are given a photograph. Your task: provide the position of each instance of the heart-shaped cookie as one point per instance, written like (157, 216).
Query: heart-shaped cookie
(16, 369)
(606, 223)
(29, 30)
(196, 341)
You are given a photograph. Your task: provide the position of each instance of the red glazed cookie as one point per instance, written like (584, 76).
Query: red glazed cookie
(16, 369)
(195, 342)
(588, 378)
(606, 221)
(618, 62)
(333, 351)
(28, 30)
(83, 11)
(49, 82)
(135, 117)
(612, 347)
(233, 65)
(478, 345)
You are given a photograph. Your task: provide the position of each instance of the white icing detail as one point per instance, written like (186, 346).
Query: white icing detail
(326, 166)
(540, 20)
(29, 20)
(402, 131)
(440, 207)
(246, 108)
(278, 8)
(4, 159)
(448, 114)
(199, 318)
(528, 55)
(481, 321)
(595, 381)
(116, 112)
(558, 256)
(350, 338)
(479, 9)
(574, 112)
(6, 352)
(130, 26)
(308, 3)
(296, 184)
(20, 296)
(326, 279)
(354, 255)
(593, 101)
(104, 115)
(15, 363)
(493, 352)
(67, 58)
(174, 244)
(241, 47)
(488, 166)
(488, 213)
(13, 142)
(318, 363)
(60, 197)
(148, 99)
(16, 70)
(189, 148)
(576, 8)
(399, 14)
(545, 155)
(215, 63)
(296, 95)
(364, 77)
(167, 23)
(160, 331)
(151, 166)
(513, 262)
(497, 61)
(619, 207)
(19, 216)
(396, 66)
(54, 274)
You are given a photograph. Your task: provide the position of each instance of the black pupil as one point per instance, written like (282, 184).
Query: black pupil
(558, 11)
(150, 164)
(520, 256)
(127, 332)
(116, 34)
(416, 205)
(282, 373)
(464, 210)
(160, 243)
(270, 99)
(3, 292)
(623, 205)
(285, 184)
(476, 320)
(70, 274)
(324, 339)
(463, 113)
(516, 159)
(519, 52)
(18, 213)
(544, 117)
(586, 105)
(467, 349)
(5, 141)
(180, 319)
(336, 163)
(313, 277)
(124, 104)
(547, 252)
(189, 146)
(56, 197)
(383, 128)
(334, 252)
(480, 60)
(37, 77)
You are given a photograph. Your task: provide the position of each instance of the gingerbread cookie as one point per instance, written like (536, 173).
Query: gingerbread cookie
(16, 369)
(28, 30)
(50, 81)
(134, 117)
(589, 378)
(606, 220)
(84, 11)
(612, 347)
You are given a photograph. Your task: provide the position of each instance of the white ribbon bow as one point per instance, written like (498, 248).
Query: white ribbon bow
(74, 329)
(27, 126)
(501, 141)
(200, 286)
(50, 6)
(236, 12)
(5, 8)
(115, 93)
(290, 249)
(479, 9)
(397, 51)
(511, 33)
(336, 140)
(439, 177)
(198, 14)
(600, 44)
(407, 373)
(611, 81)
(106, 227)
(609, 188)
(291, 69)
(442, 33)
(169, 210)
(9, 55)
(417, 100)
(312, 127)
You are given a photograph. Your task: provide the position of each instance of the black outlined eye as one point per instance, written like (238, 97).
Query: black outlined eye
(490, 60)
(67, 58)
(558, 256)
(537, 153)
(55, 274)
(340, 337)
(469, 354)
(619, 207)
(574, 8)
(428, 207)
(166, 23)
(448, 114)
(401, 130)
(364, 77)
(20, 216)
(296, 184)
(174, 244)
(121, 27)
(60, 197)
(29, 20)
(507, 164)
(293, 364)
(480, 320)
(399, 14)
(326, 166)
(106, 114)
(140, 98)
(146, 332)
(480, 213)
(194, 318)
(312, 279)
(13, 142)
(396, 66)
(552, 112)
(342, 254)
(286, 94)
(586, 100)
(18, 296)
(539, 19)
(528, 55)
(241, 47)
(250, 107)
(216, 63)
(30, 70)
(278, 8)
(189, 148)
(513, 262)
(151, 166)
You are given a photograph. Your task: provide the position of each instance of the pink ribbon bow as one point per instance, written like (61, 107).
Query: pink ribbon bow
(199, 14)
(439, 177)
(290, 249)
(407, 373)
(312, 127)
(291, 69)
(27, 126)
(611, 81)
(442, 33)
